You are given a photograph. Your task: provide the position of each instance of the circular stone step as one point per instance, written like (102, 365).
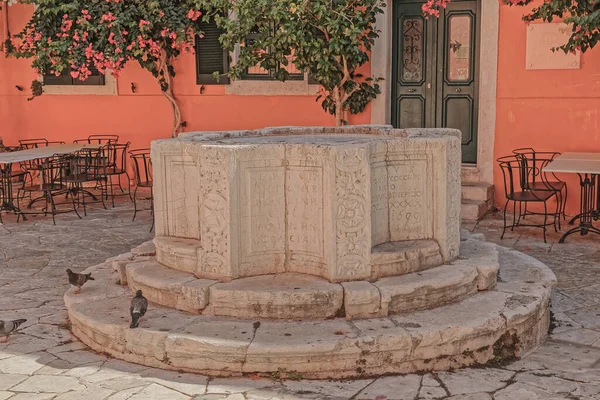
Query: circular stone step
(514, 315)
(281, 296)
(306, 297)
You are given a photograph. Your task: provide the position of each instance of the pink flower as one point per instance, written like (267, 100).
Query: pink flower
(194, 14)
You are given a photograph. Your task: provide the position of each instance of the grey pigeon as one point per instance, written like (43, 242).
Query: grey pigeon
(8, 327)
(139, 306)
(78, 280)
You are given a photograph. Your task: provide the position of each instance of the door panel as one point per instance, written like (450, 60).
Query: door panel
(413, 103)
(435, 68)
(457, 99)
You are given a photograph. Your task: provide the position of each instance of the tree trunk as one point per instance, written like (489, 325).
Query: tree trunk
(339, 107)
(171, 97)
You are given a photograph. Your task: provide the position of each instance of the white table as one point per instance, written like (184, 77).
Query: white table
(587, 167)
(7, 159)
(43, 152)
(571, 155)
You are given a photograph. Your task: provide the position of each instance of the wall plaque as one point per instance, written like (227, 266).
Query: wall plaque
(541, 38)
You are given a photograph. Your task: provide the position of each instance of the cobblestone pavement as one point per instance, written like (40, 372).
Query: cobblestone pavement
(44, 361)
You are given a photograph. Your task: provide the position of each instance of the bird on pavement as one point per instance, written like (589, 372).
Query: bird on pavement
(139, 306)
(8, 327)
(78, 280)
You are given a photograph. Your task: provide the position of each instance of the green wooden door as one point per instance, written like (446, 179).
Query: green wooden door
(435, 70)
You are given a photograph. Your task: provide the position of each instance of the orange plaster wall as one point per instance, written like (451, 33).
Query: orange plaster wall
(549, 110)
(145, 115)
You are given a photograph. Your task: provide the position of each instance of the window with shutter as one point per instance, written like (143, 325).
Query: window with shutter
(210, 56)
(65, 79)
(259, 73)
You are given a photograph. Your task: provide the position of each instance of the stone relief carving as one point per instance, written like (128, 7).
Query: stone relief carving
(353, 235)
(453, 199)
(214, 219)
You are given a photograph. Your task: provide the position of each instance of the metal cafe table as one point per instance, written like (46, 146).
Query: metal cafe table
(587, 167)
(7, 159)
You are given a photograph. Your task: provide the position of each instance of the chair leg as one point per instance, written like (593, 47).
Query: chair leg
(521, 212)
(504, 229)
(545, 220)
(152, 207)
(565, 203)
(49, 196)
(128, 185)
(559, 206)
(512, 227)
(557, 214)
(75, 207)
(135, 203)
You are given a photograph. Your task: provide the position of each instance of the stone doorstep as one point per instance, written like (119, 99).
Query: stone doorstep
(451, 336)
(473, 210)
(303, 297)
(477, 191)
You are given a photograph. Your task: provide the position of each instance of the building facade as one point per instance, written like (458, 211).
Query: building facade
(477, 68)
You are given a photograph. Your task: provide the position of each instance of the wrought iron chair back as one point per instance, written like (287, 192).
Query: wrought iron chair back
(103, 139)
(27, 144)
(142, 167)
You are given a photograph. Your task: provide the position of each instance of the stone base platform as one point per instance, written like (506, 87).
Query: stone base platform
(387, 259)
(510, 319)
(301, 296)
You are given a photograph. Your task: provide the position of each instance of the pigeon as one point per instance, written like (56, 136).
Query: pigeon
(78, 280)
(8, 327)
(139, 306)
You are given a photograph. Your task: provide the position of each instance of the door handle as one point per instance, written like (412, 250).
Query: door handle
(411, 90)
(457, 90)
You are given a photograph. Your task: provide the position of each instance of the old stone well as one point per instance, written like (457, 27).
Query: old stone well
(324, 252)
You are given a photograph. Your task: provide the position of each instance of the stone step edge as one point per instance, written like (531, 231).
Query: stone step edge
(359, 300)
(415, 255)
(452, 336)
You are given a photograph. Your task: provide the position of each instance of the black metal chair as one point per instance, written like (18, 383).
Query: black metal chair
(51, 184)
(517, 190)
(536, 178)
(88, 167)
(116, 167)
(142, 167)
(31, 167)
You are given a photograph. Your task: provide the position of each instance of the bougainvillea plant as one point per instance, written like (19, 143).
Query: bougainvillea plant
(77, 36)
(583, 16)
(330, 39)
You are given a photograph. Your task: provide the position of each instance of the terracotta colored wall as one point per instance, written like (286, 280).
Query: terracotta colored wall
(145, 115)
(549, 110)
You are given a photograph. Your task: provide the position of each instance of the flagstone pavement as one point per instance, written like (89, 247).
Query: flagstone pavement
(44, 361)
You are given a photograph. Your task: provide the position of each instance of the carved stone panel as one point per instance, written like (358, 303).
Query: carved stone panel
(183, 197)
(305, 210)
(380, 230)
(262, 211)
(408, 195)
